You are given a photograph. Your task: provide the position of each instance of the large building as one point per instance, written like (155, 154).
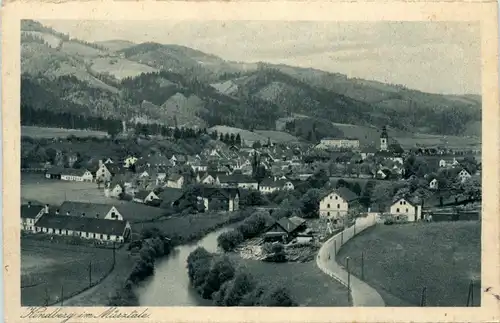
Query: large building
(349, 143)
(336, 204)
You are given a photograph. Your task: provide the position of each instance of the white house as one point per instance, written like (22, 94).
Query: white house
(434, 185)
(129, 161)
(239, 181)
(464, 175)
(448, 163)
(335, 204)
(145, 196)
(175, 181)
(115, 191)
(404, 208)
(85, 227)
(77, 175)
(269, 185)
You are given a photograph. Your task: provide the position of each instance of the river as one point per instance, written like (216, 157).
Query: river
(170, 286)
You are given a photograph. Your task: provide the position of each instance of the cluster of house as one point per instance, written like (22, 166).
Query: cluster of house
(85, 220)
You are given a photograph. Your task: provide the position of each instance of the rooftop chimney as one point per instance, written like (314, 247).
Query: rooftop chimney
(67, 212)
(29, 204)
(100, 162)
(57, 212)
(46, 209)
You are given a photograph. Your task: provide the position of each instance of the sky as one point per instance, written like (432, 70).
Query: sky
(438, 57)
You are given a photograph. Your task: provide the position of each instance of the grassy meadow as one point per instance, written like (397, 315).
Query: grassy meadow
(49, 269)
(400, 260)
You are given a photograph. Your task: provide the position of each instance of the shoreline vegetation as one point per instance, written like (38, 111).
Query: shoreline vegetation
(155, 244)
(217, 278)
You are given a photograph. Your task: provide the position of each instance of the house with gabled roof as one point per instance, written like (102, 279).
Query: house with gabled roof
(169, 196)
(175, 181)
(406, 209)
(30, 214)
(463, 175)
(145, 196)
(84, 226)
(433, 184)
(336, 203)
(229, 197)
(270, 185)
(285, 229)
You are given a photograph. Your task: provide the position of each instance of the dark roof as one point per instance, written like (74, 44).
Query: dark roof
(114, 169)
(90, 209)
(170, 195)
(82, 223)
(369, 150)
(142, 194)
(297, 220)
(174, 177)
(288, 225)
(225, 192)
(344, 193)
(237, 178)
(73, 171)
(55, 171)
(30, 212)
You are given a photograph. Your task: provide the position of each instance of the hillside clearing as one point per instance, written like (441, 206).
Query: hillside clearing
(400, 260)
(119, 68)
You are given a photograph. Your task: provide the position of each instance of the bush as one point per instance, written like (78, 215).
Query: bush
(274, 252)
(198, 263)
(233, 291)
(278, 296)
(227, 241)
(221, 270)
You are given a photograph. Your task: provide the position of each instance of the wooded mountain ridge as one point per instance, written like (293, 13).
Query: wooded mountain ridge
(153, 82)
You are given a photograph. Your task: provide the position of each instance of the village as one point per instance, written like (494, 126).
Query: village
(303, 194)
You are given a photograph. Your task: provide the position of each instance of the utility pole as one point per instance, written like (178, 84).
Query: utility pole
(470, 295)
(62, 294)
(362, 265)
(348, 279)
(114, 254)
(90, 273)
(423, 299)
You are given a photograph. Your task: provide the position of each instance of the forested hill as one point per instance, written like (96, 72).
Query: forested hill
(152, 83)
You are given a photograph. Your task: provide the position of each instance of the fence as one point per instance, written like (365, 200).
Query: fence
(360, 293)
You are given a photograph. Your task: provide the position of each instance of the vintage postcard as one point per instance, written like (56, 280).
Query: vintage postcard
(250, 162)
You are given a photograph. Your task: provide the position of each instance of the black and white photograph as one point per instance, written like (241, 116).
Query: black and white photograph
(247, 163)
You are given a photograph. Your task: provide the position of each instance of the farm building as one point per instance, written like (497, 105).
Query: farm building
(69, 174)
(227, 199)
(104, 211)
(285, 229)
(269, 185)
(86, 227)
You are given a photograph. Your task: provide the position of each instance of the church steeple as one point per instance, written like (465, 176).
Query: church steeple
(384, 138)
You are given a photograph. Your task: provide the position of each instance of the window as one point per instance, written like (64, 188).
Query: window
(397, 210)
(397, 218)
(328, 206)
(404, 202)
(330, 197)
(336, 197)
(400, 202)
(338, 206)
(100, 236)
(406, 210)
(328, 213)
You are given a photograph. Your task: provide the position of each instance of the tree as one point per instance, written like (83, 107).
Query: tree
(356, 188)
(238, 140)
(227, 138)
(310, 203)
(256, 145)
(220, 271)
(227, 241)
(232, 139)
(233, 291)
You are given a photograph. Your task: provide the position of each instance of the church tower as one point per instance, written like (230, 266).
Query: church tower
(384, 138)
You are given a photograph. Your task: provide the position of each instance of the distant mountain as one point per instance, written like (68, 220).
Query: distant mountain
(154, 82)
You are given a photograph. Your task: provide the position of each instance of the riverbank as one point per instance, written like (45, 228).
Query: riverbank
(183, 230)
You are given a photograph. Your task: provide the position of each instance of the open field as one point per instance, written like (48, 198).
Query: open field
(257, 135)
(119, 68)
(182, 229)
(278, 136)
(400, 260)
(36, 188)
(42, 132)
(47, 269)
(307, 284)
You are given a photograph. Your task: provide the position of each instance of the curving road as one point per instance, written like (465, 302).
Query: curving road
(361, 293)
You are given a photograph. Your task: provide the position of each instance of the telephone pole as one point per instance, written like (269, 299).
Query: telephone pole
(90, 273)
(62, 294)
(348, 279)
